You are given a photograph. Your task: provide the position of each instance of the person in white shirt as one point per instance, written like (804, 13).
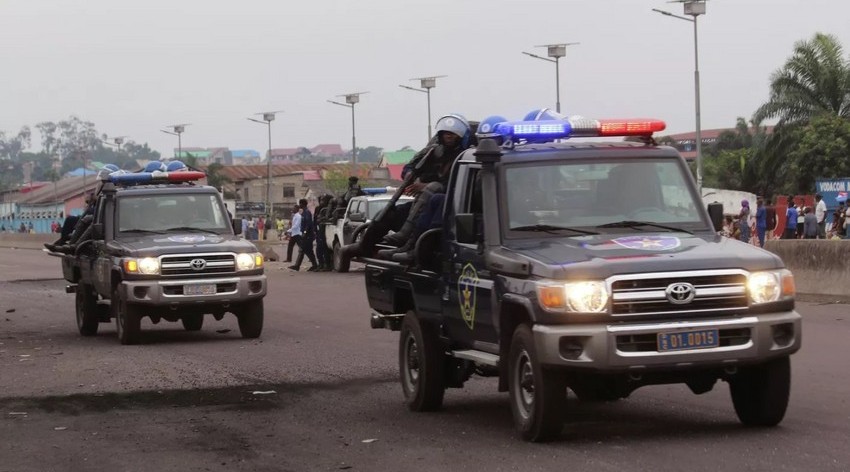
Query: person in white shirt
(295, 233)
(820, 216)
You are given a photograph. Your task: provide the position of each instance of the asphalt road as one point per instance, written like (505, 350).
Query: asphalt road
(319, 391)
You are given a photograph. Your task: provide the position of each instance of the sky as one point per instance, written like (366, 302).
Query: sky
(134, 67)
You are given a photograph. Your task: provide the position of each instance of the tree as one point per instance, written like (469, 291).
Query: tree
(810, 97)
(47, 130)
(369, 154)
(11, 148)
(215, 177)
(815, 80)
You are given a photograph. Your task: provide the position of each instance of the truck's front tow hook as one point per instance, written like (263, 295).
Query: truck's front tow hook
(71, 288)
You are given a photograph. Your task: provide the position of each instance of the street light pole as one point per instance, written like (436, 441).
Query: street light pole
(426, 84)
(178, 131)
(556, 51)
(351, 99)
(694, 8)
(268, 117)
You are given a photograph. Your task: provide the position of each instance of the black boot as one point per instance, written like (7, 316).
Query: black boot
(389, 253)
(402, 235)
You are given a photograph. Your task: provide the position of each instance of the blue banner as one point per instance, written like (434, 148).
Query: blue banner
(833, 191)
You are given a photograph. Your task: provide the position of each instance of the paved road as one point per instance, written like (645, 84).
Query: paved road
(186, 401)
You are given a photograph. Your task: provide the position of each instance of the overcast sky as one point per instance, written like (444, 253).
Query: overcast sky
(133, 67)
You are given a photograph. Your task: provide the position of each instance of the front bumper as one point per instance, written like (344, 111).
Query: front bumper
(171, 292)
(607, 348)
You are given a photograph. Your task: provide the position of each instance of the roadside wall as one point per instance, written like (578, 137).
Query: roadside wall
(820, 267)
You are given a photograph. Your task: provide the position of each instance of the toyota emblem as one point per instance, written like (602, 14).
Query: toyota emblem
(680, 293)
(200, 264)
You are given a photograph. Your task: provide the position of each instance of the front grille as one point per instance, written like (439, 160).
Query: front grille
(213, 264)
(649, 342)
(646, 294)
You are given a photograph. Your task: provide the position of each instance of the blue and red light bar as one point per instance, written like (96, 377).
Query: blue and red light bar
(544, 125)
(155, 177)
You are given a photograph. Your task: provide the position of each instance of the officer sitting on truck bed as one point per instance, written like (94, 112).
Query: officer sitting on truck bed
(453, 137)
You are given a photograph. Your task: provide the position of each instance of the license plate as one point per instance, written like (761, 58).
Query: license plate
(204, 289)
(685, 340)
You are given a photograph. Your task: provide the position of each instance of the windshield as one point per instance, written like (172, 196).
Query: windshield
(635, 194)
(163, 213)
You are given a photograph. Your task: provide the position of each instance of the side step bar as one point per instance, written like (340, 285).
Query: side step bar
(479, 357)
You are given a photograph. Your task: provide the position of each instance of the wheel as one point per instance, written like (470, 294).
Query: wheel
(760, 393)
(538, 396)
(251, 319)
(128, 320)
(87, 313)
(193, 322)
(341, 264)
(421, 362)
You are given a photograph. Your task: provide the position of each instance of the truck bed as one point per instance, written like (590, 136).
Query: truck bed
(394, 288)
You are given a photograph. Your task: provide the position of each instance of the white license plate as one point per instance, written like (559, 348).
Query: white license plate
(199, 289)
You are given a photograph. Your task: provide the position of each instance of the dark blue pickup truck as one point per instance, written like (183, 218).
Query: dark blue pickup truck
(167, 250)
(592, 266)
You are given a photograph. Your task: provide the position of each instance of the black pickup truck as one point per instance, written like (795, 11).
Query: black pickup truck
(168, 251)
(588, 266)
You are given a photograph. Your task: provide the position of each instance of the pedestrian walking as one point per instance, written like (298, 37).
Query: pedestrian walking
(307, 237)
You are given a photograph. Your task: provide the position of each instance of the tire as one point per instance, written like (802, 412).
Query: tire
(251, 319)
(760, 393)
(193, 322)
(421, 362)
(341, 264)
(128, 320)
(87, 311)
(538, 396)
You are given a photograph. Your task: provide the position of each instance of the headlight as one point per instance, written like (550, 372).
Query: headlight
(145, 265)
(766, 287)
(249, 261)
(577, 297)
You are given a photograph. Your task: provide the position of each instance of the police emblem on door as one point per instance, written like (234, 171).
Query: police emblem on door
(467, 284)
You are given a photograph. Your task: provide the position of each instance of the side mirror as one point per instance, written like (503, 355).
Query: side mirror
(358, 217)
(237, 226)
(715, 212)
(97, 231)
(465, 228)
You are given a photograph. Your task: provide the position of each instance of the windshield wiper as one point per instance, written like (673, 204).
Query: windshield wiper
(551, 229)
(139, 230)
(637, 224)
(191, 228)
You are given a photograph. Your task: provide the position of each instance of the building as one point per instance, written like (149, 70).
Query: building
(394, 161)
(686, 143)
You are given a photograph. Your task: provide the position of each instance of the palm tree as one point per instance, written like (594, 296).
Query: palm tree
(815, 80)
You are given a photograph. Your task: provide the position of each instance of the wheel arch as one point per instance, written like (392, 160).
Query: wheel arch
(513, 311)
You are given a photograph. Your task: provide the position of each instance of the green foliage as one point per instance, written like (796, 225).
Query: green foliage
(215, 177)
(369, 154)
(815, 80)
(336, 181)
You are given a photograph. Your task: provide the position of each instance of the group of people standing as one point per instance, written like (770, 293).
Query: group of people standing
(801, 222)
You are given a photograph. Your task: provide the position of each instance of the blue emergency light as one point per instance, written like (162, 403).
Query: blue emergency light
(374, 190)
(544, 125)
(181, 174)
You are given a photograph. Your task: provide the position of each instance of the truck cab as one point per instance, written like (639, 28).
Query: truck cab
(591, 266)
(165, 248)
